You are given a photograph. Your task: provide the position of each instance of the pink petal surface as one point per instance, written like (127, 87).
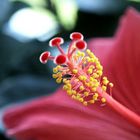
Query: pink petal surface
(120, 57)
(59, 117)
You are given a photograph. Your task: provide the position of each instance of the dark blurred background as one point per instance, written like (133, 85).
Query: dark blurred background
(25, 29)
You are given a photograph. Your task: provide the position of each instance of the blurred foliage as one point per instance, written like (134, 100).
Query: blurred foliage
(135, 0)
(67, 12)
(33, 3)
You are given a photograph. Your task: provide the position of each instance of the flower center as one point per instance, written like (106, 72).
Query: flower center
(80, 71)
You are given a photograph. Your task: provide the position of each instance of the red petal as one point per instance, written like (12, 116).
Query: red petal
(121, 60)
(59, 117)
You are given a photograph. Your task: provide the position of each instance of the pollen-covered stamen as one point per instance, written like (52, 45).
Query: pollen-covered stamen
(85, 76)
(82, 75)
(56, 42)
(45, 56)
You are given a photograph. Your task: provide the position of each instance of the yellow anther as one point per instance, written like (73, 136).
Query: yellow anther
(103, 100)
(54, 75)
(95, 75)
(58, 67)
(88, 59)
(69, 92)
(74, 71)
(69, 85)
(105, 82)
(87, 84)
(81, 88)
(100, 72)
(89, 71)
(73, 97)
(86, 93)
(92, 101)
(88, 51)
(78, 96)
(85, 103)
(91, 84)
(65, 87)
(84, 78)
(91, 79)
(111, 85)
(73, 92)
(64, 80)
(95, 96)
(55, 70)
(96, 84)
(92, 60)
(92, 67)
(99, 67)
(58, 80)
(94, 89)
(81, 99)
(95, 80)
(82, 54)
(104, 88)
(81, 77)
(104, 78)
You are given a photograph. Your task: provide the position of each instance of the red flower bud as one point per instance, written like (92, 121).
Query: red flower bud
(44, 57)
(60, 59)
(81, 45)
(76, 36)
(56, 41)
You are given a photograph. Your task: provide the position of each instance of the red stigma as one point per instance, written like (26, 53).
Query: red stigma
(60, 59)
(44, 57)
(76, 36)
(56, 41)
(81, 45)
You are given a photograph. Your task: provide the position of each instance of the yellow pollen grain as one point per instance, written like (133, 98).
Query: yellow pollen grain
(94, 89)
(103, 100)
(55, 70)
(86, 93)
(88, 51)
(74, 71)
(104, 88)
(85, 103)
(81, 100)
(92, 101)
(74, 92)
(80, 77)
(105, 82)
(81, 88)
(111, 85)
(69, 92)
(89, 71)
(69, 85)
(58, 80)
(73, 97)
(54, 75)
(91, 79)
(65, 87)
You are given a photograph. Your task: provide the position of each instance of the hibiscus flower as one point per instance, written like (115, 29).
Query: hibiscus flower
(59, 117)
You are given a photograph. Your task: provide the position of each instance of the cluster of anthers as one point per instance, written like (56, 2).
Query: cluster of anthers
(79, 69)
